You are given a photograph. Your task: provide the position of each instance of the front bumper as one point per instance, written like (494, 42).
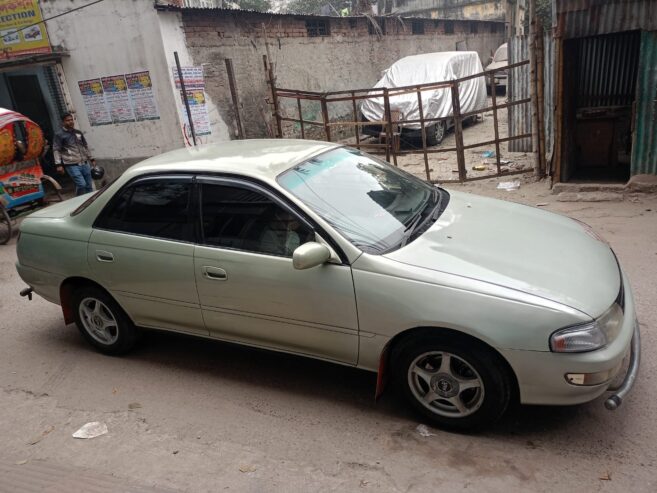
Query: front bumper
(542, 374)
(616, 399)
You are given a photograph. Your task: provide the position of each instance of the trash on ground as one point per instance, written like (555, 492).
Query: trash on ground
(134, 405)
(480, 167)
(508, 185)
(542, 204)
(505, 161)
(91, 430)
(40, 437)
(247, 468)
(424, 431)
(21, 462)
(606, 477)
(488, 154)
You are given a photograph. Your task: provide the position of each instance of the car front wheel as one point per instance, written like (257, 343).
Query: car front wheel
(455, 384)
(436, 133)
(102, 322)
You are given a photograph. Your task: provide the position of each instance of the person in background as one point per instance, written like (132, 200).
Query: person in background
(72, 154)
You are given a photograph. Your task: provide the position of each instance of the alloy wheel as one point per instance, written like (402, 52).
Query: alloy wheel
(446, 384)
(99, 321)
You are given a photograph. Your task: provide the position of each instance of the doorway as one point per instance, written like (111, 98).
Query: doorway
(34, 92)
(600, 76)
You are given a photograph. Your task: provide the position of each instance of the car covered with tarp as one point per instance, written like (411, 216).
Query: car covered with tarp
(427, 68)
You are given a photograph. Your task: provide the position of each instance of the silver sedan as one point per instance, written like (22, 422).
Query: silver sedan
(464, 303)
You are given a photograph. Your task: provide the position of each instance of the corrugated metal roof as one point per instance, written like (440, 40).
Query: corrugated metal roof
(178, 8)
(644, 150)
(579, 18)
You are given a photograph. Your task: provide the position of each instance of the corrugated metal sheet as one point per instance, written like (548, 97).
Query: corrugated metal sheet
(580, 18)
(549, 64)
(607, 70)
(644, 150)
(520, 116)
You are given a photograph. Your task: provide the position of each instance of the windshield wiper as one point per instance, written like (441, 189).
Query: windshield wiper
(410, 229)
(416, 221)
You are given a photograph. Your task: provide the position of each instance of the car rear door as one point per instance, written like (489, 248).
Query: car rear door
(249, 290)
(141, 249)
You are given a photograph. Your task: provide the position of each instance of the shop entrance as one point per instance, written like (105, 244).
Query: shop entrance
(600, 76)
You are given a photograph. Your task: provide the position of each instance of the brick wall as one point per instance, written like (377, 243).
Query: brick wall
(351, 56)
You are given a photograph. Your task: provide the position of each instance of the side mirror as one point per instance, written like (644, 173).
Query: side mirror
(310, 255)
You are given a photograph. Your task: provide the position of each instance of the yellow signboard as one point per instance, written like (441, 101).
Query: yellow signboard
(21, 29)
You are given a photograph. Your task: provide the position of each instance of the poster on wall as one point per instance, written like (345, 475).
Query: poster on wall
(199, 111)
(140, 89)
(195, 89)
(94, 102)
(21, 29)
(118, 99)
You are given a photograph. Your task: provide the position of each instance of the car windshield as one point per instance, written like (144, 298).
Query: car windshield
(372, 204)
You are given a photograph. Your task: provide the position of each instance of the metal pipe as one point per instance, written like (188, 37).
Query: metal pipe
(184, 96)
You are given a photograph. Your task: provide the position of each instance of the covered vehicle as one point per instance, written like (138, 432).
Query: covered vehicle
(425, 69)
(499, 60)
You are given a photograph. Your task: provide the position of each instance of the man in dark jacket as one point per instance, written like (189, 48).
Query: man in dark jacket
(72, 154)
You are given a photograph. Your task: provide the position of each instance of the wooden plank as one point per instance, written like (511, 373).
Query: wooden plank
(458, 131)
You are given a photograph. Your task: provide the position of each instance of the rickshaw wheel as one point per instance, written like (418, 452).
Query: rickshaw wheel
(5, 226)
(52, 193)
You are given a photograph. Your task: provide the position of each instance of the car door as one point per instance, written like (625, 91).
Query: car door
(248, 288)
(141, 249)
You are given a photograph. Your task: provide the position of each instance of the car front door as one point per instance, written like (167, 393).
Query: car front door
(248, 288)
(142, 250)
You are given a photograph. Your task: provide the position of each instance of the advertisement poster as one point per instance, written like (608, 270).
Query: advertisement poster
(94, 101)
(193, 77)
(16, 41)
(194, 86)
(118, 99)
(199, 111)
(140, 88)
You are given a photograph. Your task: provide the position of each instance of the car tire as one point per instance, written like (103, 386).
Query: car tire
(454, 383)
(102, 322)
(436, 133)
(5, 226)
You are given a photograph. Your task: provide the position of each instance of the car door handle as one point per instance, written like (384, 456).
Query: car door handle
(214, 273)
(103, 256)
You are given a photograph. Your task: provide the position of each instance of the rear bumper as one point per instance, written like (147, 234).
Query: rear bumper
(542, 374)
(45, 284)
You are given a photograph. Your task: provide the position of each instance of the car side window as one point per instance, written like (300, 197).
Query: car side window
(153, 207)
(244, 219)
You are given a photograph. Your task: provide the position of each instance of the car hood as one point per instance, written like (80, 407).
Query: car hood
(521, 248)
(496, 65)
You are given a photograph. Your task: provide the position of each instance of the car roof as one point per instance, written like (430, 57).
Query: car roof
(264, 158)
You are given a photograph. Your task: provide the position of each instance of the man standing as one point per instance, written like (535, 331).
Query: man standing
(72, 154)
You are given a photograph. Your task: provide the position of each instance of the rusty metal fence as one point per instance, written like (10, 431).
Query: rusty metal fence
(388, 142)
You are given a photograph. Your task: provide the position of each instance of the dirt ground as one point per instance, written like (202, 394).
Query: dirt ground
(444, 167)
(192, 415)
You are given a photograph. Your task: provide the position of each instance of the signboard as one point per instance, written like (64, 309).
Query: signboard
(21, 29)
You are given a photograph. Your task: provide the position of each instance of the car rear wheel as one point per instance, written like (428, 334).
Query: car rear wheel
(455, 384)
(102, 322)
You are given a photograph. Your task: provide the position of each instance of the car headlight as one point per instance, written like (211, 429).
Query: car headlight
(588, 336)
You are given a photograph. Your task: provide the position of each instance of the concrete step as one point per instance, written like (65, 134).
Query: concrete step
(559, 188)
(598, 196)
